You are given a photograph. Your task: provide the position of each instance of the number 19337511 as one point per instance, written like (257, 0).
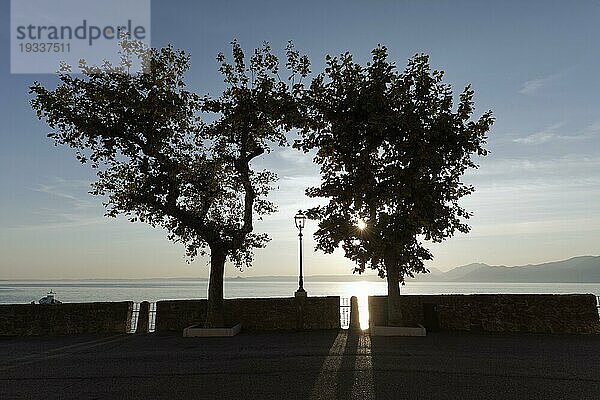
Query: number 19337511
(45, 47)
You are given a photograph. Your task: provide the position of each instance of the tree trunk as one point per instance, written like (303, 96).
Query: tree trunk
(393, 283)
(214, 310)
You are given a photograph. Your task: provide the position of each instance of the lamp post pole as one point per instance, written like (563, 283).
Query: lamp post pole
(299, 220)
(301, 279)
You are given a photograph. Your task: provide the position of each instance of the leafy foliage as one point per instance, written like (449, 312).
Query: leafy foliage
(159, 163)
(392, 153)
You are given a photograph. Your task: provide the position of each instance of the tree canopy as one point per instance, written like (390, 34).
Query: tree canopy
(156, 159)
(392, 150)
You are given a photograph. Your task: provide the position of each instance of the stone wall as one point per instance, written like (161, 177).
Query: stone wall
(322, 313)
(65, 319)
(254, 314)
(534, 313)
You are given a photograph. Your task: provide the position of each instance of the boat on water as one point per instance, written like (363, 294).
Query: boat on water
(49, 299)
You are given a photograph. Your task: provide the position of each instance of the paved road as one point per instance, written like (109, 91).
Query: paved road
(303, 365)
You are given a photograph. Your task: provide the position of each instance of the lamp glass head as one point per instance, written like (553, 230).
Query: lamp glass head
(300, 219)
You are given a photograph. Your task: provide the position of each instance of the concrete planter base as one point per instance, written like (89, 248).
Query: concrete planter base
(398, 330)
(199, 331)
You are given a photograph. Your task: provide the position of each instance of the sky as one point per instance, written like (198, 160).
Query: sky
(535, 64)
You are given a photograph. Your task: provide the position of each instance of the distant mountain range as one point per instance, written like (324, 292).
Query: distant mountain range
(574, 270)
(577, 270)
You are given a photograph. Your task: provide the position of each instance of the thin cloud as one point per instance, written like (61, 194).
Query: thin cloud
(569, 164)
(593, 128)
(551, 134)
(59, 190)
(532, 86)
(71, 221)
(64, 206)
(532, 227)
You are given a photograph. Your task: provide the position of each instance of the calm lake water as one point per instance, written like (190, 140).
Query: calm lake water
(12, 292)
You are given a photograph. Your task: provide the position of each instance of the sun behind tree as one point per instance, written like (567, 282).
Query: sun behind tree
(361, 224)
(392, 153)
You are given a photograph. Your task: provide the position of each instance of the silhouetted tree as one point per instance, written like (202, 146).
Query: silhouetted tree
(158, 162)
(392, 153)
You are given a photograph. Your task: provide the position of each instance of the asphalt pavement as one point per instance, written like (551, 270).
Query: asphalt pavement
(301, 365)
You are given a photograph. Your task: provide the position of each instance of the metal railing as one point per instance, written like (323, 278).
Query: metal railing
(345, 312)
(152, 320)
(135, 316)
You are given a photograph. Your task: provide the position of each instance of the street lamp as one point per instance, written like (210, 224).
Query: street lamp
(299, 220)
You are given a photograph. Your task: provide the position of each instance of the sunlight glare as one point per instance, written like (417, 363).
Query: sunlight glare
(361, 224)
(362, 295)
